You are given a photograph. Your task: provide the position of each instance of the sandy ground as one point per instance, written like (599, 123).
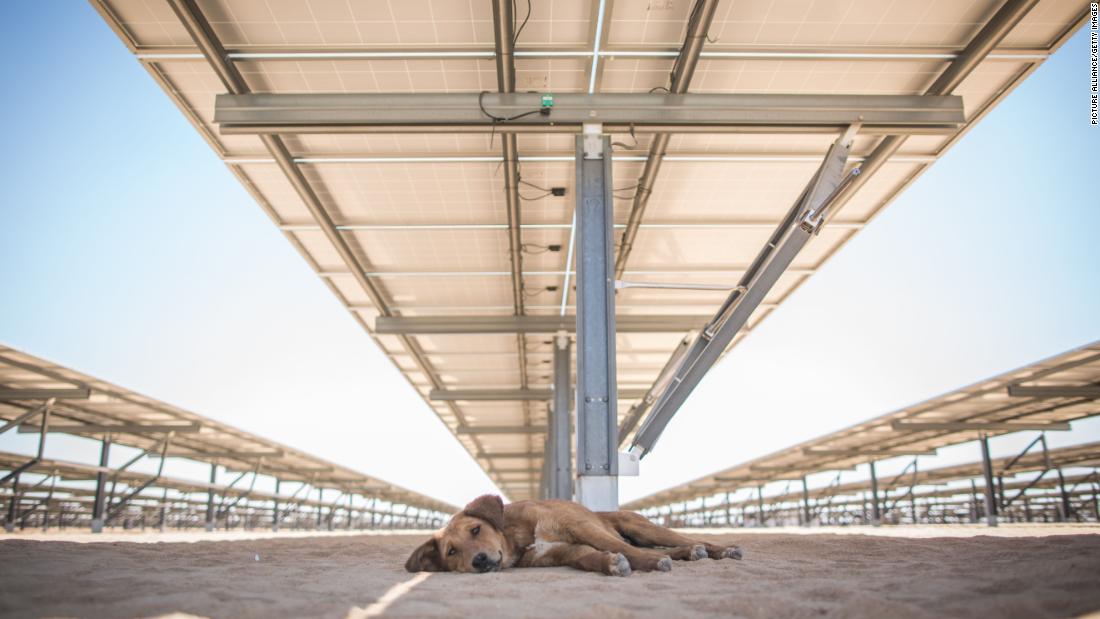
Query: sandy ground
(1023, 572)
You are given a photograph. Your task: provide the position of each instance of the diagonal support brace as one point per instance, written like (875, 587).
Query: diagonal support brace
(804, 220)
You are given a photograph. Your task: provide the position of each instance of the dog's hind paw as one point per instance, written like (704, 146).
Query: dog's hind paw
(664, 564)
(733, 552)
(619, 566)
(698, 551)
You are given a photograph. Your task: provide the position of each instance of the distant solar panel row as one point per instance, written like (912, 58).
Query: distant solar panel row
(1045, 396)
(44, 398)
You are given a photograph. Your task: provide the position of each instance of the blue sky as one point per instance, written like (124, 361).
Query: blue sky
(128, 251)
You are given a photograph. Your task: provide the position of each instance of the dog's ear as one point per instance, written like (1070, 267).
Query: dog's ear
(488, 507)
(426, 558)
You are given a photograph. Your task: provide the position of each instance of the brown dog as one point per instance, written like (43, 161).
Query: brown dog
(488, 536)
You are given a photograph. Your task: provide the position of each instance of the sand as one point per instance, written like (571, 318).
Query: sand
(1023, 572)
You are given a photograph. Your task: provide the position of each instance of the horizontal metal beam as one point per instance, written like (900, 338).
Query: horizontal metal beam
(126, 428)
(885, 453)
(734, 480)
(509, 454)
(510, 112)
(9, 395)
(421, 325)
(244, 455)
(451, 395)
(1011, 426)
(809, 468)
(501, 429)
(168, 53)
(1082, 391)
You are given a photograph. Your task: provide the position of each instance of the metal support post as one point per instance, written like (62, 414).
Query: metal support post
(806, 503)
(597, 407)
(210, 498)
(760, 506)
(99, 502)
(1066, 508)
(876, 515)
(320, 506)
(974, 515)
(913, 493)
(987, 473)
(275, 507)
(560, 452)
(13, 505)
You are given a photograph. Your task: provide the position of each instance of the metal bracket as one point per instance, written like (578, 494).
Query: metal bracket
(629, 464)
(593, 140)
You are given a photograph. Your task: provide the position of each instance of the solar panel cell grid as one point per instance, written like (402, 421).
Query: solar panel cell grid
(770, 46)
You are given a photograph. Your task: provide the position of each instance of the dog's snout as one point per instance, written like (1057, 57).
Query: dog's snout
(483, 563)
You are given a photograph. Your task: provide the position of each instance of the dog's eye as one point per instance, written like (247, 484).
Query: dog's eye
(451, 552)
(474, 531)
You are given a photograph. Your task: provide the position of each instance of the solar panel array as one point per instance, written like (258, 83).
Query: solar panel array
(992, 406)
(427, 214)
(138, 421)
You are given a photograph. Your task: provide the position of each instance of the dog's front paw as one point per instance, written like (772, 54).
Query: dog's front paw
(664, 564)
(619, 566)
(733, 552)
(698, 551)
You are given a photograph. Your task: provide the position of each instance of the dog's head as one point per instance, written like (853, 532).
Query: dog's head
(473, 541)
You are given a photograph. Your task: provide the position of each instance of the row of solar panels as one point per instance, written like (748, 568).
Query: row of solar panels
(1045, 396)
(81, 405)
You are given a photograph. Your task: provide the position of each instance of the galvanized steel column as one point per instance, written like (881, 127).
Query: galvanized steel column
(101, 485)
(560, 453)
(597, 407)
(987, 473)
(806, 503)
(876, 515)
(275, 507)
(210, 498)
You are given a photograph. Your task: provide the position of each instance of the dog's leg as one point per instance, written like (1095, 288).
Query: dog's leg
(687, 553)
(640, 558)
(642, 532)
(579, 556)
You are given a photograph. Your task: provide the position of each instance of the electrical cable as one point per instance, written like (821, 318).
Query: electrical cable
(523, 25)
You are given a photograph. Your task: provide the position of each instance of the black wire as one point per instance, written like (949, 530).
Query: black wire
(625, 145)
(532, 199)
(706, 35)
(656, 88)
(500, 119)
(530, 184)
(523, 25)
(495, 119)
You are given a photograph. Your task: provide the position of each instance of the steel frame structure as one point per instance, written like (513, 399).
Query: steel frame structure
(153, 432)
(226, 60)
(258, 114)
(1057, 391)
(948, 494)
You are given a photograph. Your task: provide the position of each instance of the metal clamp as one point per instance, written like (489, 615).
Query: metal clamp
(593, 140)
(716, 324)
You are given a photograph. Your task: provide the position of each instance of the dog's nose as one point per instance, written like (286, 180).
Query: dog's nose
(481, 560)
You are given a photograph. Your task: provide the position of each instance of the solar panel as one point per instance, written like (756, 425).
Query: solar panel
(713, 204)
